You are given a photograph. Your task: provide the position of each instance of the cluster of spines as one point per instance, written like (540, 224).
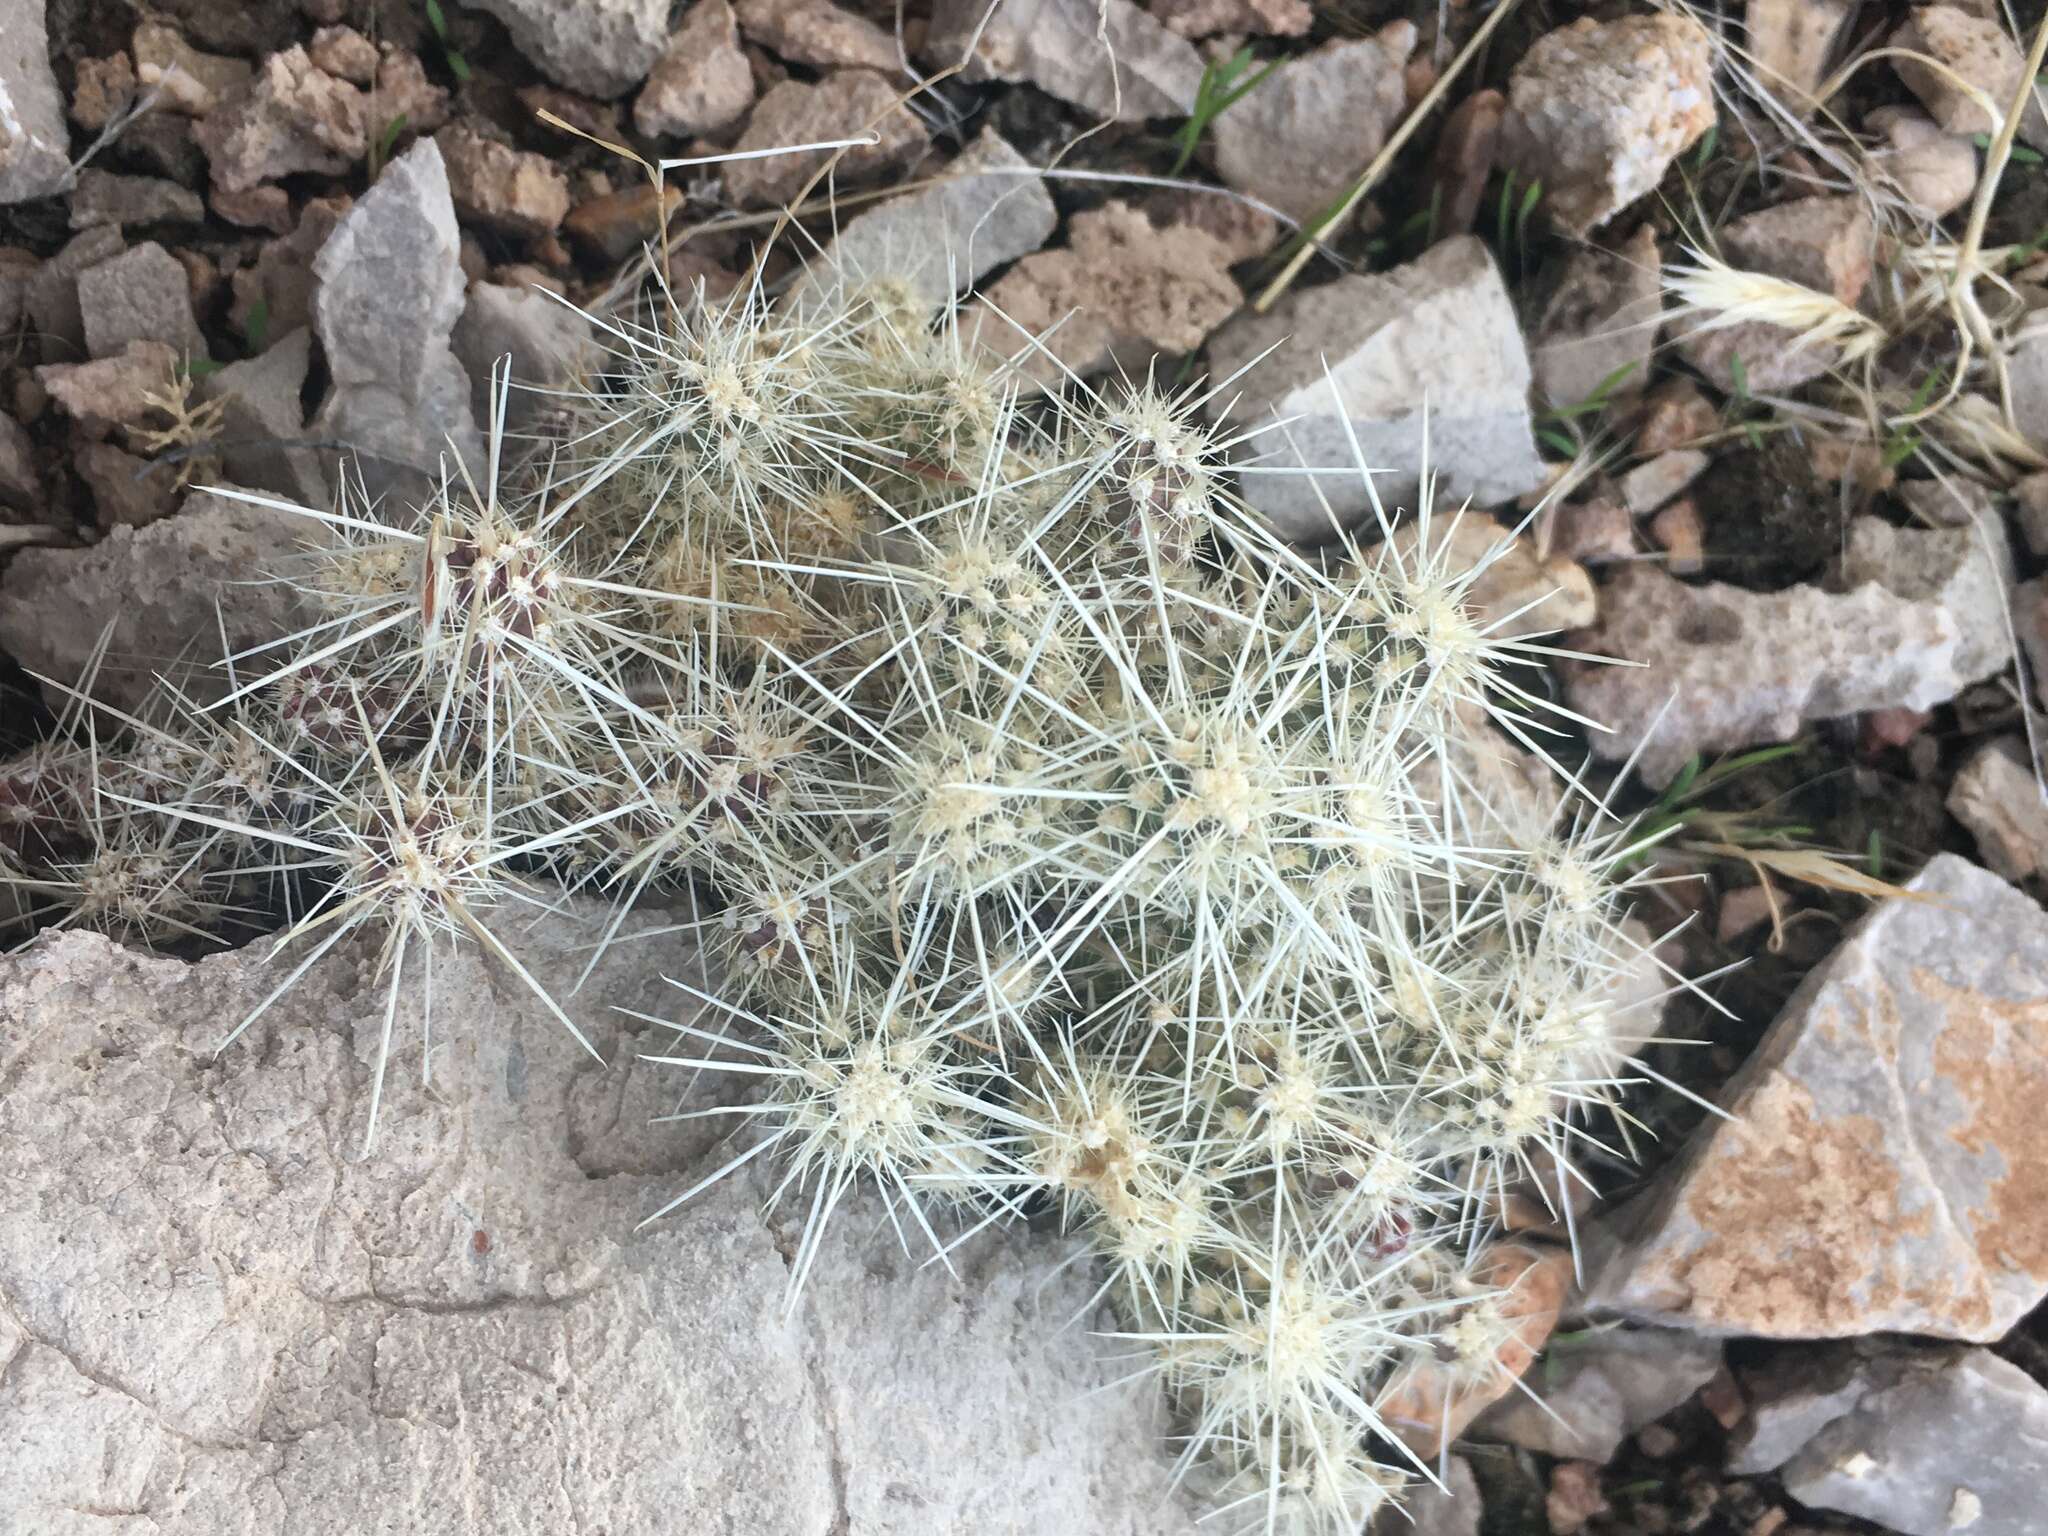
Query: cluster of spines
(1066, 837)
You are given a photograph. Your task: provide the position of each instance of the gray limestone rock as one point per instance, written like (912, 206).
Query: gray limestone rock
(1436, 339)
(600, 47)
(140, 295)
(35, 142)
(1595, 1392)
(548, 344)
(264, 419)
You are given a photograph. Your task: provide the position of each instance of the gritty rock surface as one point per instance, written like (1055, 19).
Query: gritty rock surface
(702, 81)
(1655, 481)
(548, 343)
(50, 295)
(1438, 333)
(1920, 622)
(1822, 243)
(1884, 1170)
(110, 392)
(102, 197)
(35, 144)
(937, 241)
(513, 191)
(140, 295)
(245, 1317)
(1207, 18)
(290, 117)
(838, 107)
(126, 489)
(1121, 292)
(818, 33)
(1791, 42)
(159, 585)
(1974, 50)
(1452, 1510)
(20, 486)
(1997, 796)
(1598, 110)
(1959, 1441)
(600, 47)
(188, 79)
(390, 291)
(263, 418)
(1591, 1397)
(1108, 57)
(1934, 170)
(1599, 325)
(1301, 138)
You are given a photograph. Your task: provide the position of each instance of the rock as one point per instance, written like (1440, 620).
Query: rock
(1195, 19)
(1244, 232)
(2026, 367)
(1603, 1388)
(1655, 481)
(189, 81)
(1676, 414)
(20, 486)
(1595, 532)
(818, 33)
(1972, 50)
(1884, 1171)
(1942, 1442)
(1998, 797)
(1303, 136)
(1120, 293)
(1742, 909)
(1438, 334)
(1107, 57)
(140, 295)
(1518, 591)
(600, 47)
(265, 207)
(1790, 43)
(837, 107)
(281, 281)
(1823, 243)
(127, 491)
(620, 223)
(1466, 152)
(1936, 172)
(702, 81)
(1598, 110)
(263, 421)
(1677, 531)
(1950, 502)
(1599, 325)
(464, 1331)
(2030, 508)
(17, 271)
(104, 90)
(390, 291)
(1427, 1404)
(1452, 1510)
(1922, 621)
(290, 117)
(509, 190)
(404, 91)
(549, 343)
(1574, 1497)
(101, 197)
(344, 53)
(166, 589)
(35, 145)
(110, 392)
(2030, 618)
(941, 240)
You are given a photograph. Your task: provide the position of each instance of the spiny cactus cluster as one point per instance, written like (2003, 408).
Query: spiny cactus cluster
(1068, 840)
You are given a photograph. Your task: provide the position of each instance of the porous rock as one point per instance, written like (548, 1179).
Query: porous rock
(110, 392)
(513, 191)
(103, 197)
(127, 490)
(1107, 57)
(1590, 1397)
(1436, 338)
(189, 80)
(1971, 49)
(1207, 18)
(1598, 324)
(1305, 133)
(1997, 795)
(35, 144)
(1921, 620)
(140, 295)
(1790, 43)
(837, 107)
(600, 47)
(50, 294)
(218, 1310)
(818, 33)
(702, 81)
(1934, 170)
(935, 242)
(1119, 293)
(289, 117)
(1883, 1169)
(159, 586)
(1597, 111)
(390, 290)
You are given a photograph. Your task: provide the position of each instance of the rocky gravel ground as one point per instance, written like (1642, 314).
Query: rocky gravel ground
(1673, 292)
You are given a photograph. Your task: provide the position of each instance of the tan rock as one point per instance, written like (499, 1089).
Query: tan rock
(841, 106)
(109, 392)
(344, 53)
(1973, 51)
(1258, 18)
(188, 80)
(1998, 796)
(289, 117)
(1598, 327)
(701, 83)
(1884, 1170)
(1517, 589)
(818, 33)
(510, 190)
(1934, 170)
(1790, 43)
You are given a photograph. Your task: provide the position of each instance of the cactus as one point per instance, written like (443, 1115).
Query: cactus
(1067, 841)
